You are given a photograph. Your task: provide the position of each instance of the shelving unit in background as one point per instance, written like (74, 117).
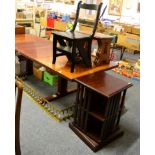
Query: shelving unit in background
(25, 13)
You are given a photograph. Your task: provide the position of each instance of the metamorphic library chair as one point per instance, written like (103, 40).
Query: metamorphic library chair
(75, 45)
(19, 87)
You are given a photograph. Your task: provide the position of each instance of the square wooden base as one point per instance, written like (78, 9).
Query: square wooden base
(95, 146)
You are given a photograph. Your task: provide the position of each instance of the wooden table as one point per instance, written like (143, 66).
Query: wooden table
(40, 50)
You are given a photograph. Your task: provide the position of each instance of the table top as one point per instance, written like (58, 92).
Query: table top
(40, 50)
(103, 83)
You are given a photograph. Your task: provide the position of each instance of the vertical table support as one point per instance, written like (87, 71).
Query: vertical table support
(62, 89)
(29, 67)
(62, 86)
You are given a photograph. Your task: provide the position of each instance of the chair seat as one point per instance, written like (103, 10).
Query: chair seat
(72, 35)
(76, 45)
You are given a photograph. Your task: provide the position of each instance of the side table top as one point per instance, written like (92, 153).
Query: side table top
(103, 83)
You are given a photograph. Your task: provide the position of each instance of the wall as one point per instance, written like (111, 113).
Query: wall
(129, 12)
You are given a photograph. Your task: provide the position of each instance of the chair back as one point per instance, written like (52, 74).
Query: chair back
(91, 23)
(101, 16)
(19, 87)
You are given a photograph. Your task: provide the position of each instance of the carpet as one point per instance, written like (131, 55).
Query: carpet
(59, 110)
(129, 68)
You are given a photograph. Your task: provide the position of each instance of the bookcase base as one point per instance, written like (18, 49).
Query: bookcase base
(95, 146)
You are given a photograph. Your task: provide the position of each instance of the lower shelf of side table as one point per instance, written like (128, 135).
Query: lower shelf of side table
(95, 146)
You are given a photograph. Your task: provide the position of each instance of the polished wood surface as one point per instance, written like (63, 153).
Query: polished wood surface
(40, 50)
(107, 85)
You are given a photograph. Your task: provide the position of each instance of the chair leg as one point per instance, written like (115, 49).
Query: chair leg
(72, 67)
(54, 48)
(68, 57)
(17, 150)
(89, 53)
(83, 50)
(73, 57)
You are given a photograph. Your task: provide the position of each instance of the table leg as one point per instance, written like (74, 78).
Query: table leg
(62, 85)
(29, 67)
(62, 90)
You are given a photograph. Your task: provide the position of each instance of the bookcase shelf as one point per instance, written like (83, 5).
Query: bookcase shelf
(94, 131)
(100, 116)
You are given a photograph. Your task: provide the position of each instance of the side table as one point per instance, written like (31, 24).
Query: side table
(99, 103)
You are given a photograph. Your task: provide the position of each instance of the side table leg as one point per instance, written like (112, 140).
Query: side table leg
(121, 106)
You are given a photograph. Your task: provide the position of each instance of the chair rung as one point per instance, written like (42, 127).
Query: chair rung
(64, 49)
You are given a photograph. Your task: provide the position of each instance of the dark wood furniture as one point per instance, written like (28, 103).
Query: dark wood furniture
(39, 50)
(98, 108)
(75, 45)
(19, 87)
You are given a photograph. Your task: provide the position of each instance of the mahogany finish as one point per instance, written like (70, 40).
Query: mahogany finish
(103, 83)
(99, 104)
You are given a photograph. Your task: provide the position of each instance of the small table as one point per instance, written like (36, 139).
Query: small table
(98, 107)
